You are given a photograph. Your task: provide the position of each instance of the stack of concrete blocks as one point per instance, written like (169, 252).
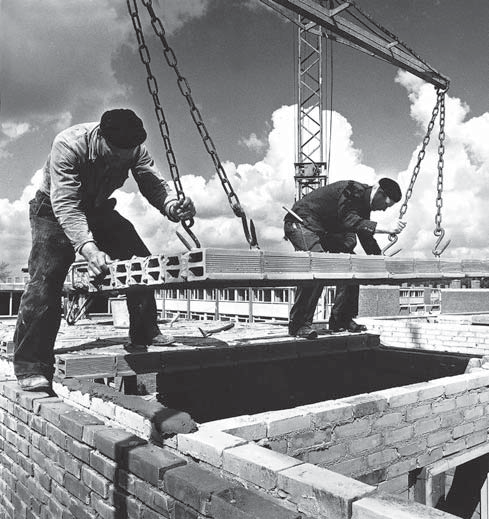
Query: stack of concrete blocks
(265, 267)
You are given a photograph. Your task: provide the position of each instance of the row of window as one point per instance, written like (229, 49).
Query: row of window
(260, 295)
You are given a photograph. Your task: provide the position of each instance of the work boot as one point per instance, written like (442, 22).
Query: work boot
(162, 340)
(306, 331)
(354, 327)
(34, 383)
(335, 326)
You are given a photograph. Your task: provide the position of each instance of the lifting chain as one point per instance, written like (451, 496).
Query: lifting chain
(439, 232)
(439, 108)
(160, 115)
(184, 87)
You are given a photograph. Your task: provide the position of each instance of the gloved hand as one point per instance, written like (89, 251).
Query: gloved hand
(183, 209)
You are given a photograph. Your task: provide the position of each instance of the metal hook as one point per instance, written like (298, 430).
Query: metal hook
(393, 239)
(187, 226)
(250, 233)
(436, 251)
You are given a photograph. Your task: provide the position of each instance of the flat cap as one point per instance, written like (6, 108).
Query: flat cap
(390, 188)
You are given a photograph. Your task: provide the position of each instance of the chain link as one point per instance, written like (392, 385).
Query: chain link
(194, 111)
(153, 90)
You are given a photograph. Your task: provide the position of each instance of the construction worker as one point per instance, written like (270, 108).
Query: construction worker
(72, 213)
(329, 219)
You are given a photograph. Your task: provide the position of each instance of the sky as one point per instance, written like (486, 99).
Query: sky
(63, 62)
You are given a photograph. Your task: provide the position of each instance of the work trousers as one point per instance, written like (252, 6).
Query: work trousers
(345, 305)
(51, 255)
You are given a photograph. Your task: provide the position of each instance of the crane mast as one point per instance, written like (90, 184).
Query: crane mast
(343, 22)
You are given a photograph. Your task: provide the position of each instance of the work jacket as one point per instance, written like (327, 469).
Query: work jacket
(79, 177)
(339, 208)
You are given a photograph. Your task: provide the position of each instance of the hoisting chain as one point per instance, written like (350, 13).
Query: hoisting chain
(160, 115)
(184, 87)
(421, 154)
(439, 232)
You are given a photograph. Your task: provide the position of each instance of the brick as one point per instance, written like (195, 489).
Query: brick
(48, 448)
(382, 458)
(457, 384)
(102, 407)
(388, 420)
(256, 464)
(401, 434)
(451, 419)
(104, 510)
(425, 426)
(476, 438)
(89, 432)
(431, 389)
(439, 438)
(103, 465)
(20, 413)
(62, 495)
(327, 456)
(351, 467)
(308, 439)
(444, 406)
(240, 503)
(78, 449)
(473, 413)
(319, 491)
(50, 410)
(194, 486)
(417, 412)
(38, 424)
(76, 488)
(95, 481)
(73, 422)
(359, 427)
(114, 443)
(327, 413)
(363, 405)
(162, 502)
(70, 463)
(367, 443)
(462, 430)
(80, 511)
(277, 426)
(150, 463)
(207, 445)
(56, 435)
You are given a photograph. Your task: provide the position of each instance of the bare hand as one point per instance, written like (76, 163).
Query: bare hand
(183, 209)
(397, 226)
(97, 260)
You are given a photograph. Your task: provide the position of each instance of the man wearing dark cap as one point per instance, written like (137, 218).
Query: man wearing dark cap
(72, 213)
(329, 219)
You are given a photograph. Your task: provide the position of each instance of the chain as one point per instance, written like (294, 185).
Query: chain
(439, 232)
(440, 102)
(441, 151)
(160, 114)
(194, 111)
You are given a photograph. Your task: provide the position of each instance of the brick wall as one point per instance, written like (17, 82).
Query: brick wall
(59, 460)
(381, 438)
(436, 333)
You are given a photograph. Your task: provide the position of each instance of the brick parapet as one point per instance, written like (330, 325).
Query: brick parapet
(59, 460)
(378, 438)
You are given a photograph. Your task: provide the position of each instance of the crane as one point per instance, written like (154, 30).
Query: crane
(342, 22)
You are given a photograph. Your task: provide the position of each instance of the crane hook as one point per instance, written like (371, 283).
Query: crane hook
(436, 251)
(250, 233)
(187, 226)
(393, 239)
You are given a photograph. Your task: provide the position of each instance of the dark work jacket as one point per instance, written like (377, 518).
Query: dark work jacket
(339, 208)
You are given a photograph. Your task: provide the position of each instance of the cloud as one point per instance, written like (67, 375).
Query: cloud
(253, 143)
(57, 61)
(268, 184)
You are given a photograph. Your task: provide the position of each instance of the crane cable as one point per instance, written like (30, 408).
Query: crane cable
(184, 87)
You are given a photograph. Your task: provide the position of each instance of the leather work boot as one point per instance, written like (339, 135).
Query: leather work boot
(34, 383)
(334, 326)
(157, 340)
(354, 327)
(306, 331)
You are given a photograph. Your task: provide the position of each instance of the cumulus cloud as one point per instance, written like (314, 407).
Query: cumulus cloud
(268, 184)
(58, 56)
